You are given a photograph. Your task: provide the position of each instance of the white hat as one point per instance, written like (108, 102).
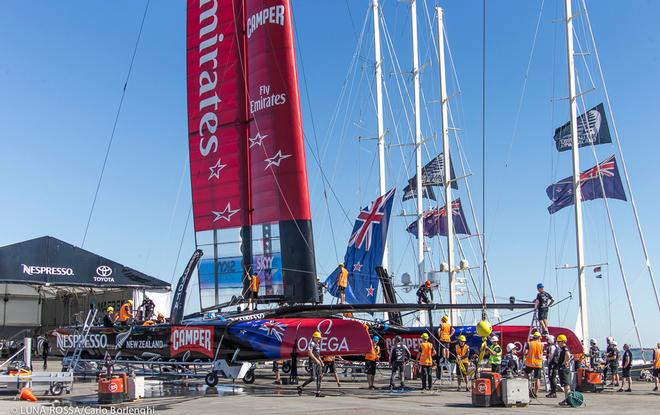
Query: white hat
(494, 339)
(510, 347)
(614, 343)
(551, 338)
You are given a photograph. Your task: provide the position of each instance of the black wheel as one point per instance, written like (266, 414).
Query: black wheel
(286, 367)
(249, 377)
(211, 379)
(56, 389)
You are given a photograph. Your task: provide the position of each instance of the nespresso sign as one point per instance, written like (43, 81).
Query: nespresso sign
(39, 270)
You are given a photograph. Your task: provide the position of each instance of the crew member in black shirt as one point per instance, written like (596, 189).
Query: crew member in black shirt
(424, 292)
(109, 317)
(626, 365)
(542, 304)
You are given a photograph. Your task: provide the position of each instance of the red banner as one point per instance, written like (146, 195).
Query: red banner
(339, 337)
(216, 113)
(240, 176)
(277, 154)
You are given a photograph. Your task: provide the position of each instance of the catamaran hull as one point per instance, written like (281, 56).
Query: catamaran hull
(254, 340)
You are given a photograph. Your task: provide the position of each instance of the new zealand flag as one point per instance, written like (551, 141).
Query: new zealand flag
(365, 252)
(435, 222)
(561, 193)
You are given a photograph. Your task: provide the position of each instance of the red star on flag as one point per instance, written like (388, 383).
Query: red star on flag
(357, 267)
(370, 291)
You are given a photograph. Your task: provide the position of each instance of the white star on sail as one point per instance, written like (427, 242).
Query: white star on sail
(215, 170)
(276, 159)
(257, 139)
(225, 214)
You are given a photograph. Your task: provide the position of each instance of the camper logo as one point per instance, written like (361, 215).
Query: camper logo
(191, 339)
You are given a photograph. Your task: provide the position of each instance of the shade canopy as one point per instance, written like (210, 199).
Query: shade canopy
(50, 262)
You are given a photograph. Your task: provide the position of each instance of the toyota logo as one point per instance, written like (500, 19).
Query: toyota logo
(104, 271)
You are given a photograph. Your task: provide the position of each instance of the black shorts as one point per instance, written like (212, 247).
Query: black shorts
(444, 345)
(341, 289)
(626, 372)
(564, 376)
(535, 371)
(543, 313)
(276, 367)
(329, 367)
(370, 367)
(656, 373)
(253, 295)
(613, 367)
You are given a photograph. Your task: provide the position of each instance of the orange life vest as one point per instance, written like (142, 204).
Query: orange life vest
(342, 281)
(426, 353)
(445, 332)
(329, 359)
(125, 312)
(657, 358)
(149, 323)
(534, 355)
(373, 354)
(254, 284)
(462, 352)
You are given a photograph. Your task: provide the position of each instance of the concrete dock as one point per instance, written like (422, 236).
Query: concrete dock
(263, 397)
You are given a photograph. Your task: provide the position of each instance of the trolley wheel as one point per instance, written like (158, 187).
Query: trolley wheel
(286, 367)
(249, 377)
(56, 389)
(211, 379)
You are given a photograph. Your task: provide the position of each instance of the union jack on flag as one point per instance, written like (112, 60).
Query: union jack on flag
(367, 219)
(598, 182)
(274, 329)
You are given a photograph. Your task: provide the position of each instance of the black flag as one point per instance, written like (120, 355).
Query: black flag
(432, 175)
(592, 128)
(179, 299)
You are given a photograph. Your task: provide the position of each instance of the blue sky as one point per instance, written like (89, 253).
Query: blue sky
(62, 72)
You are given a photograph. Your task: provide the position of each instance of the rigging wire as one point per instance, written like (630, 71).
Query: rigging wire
(620, 149)
(114, 125)
(483, 155)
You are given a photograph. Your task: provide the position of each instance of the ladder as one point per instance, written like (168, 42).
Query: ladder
(535, 326)
(446, 372)
(82, 339)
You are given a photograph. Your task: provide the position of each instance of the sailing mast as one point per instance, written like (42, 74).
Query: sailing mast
(418, 150)
(447, 167)
(577, 191)
(379, 110)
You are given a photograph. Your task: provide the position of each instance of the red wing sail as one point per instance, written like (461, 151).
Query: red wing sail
(216, 113)
(277, 153)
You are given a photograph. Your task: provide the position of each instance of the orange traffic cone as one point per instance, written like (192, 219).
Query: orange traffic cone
(27, 395)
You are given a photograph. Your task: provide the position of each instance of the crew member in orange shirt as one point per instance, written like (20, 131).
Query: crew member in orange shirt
(370, 362)
(253, 291)
(342, 283)
(126, 312)
(425, 358)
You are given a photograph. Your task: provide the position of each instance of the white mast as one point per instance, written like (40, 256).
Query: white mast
(572, 100)
(447, 165)
(379, 109)
(418, 150)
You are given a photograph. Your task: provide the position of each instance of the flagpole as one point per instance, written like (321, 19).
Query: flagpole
(379, 111)
(449, 212)
(418, 150)
(577, 191)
